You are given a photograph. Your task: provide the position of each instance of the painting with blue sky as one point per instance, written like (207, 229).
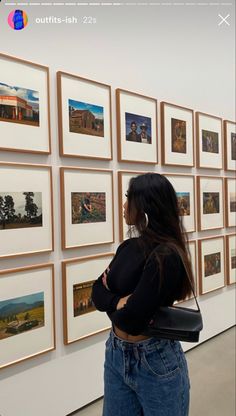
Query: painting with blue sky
(85, 118)
(19, 105)
(21, 314)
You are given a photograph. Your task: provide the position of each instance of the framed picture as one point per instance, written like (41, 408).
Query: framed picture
(81, 319)
(209, 141)
(184, 186)
(210, 202)
(177, 136)
(84, 115)
(27, 319)
(87, 207)
(24, 106)
(26, 209)
(123, 185)
(230, 145)
(231, 258)
(211, 264)
(230, 202)
(136, 127)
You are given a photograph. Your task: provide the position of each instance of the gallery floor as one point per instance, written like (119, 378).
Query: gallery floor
(212, 373)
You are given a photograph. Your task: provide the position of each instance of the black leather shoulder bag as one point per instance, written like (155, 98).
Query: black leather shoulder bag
(176, 322)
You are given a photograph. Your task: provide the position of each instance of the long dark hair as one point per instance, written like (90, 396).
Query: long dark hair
(153, 211)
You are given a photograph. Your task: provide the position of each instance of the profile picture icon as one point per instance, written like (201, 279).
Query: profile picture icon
(17, 19)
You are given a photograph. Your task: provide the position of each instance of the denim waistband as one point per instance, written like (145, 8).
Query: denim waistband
(148, 344)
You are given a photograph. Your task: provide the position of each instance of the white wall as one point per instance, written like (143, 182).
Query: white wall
(177, 54)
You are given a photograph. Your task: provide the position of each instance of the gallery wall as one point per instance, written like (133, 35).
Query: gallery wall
(179, 57)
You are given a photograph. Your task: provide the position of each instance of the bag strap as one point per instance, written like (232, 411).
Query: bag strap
(192, 288)
(189, 281)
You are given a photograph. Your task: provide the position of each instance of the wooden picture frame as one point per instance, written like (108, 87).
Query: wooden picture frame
(211, 255)
(27, 311)
(177, 135)
(230, 202)
(80, 317)
(24, 106)
(84, 125)
(230, 242)
(86, 207)
(26, 204)
(184, 186)
(209, 137)
(210, 197)
(230, 145)
(137, 136)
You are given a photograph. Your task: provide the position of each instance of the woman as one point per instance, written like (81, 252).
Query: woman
(145, 376)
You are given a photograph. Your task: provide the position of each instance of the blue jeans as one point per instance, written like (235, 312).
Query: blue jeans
(145, 378)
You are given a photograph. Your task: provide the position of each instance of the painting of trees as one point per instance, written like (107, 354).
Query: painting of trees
(7, 210)
(30, 207)
(20, 210)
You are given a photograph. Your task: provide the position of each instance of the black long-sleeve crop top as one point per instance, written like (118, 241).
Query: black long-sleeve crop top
(130, 273)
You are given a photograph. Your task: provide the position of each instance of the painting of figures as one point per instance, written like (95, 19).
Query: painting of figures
(178, 136)
(183, 203)
(19, 105)
(212, 264)
(88, 207)
(86, 118)
(82, 298)
(210, 141)
(138, 128)
(211, 202)
(20, 210)
(21, 314)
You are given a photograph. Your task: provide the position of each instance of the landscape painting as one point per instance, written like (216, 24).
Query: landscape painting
(86, 118)
(212, 264)
(178, 136)
(20, 210)
(183, 203)
(138, 128)
(210, 141)
(211, 202)
(22, 314)
(82, 297)
(88, 207)
(19, 105)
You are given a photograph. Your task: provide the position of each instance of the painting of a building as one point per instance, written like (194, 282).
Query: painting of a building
(83, 119)
(19, 105)
(86, 118)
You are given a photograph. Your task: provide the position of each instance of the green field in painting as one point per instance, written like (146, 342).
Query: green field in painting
(32, 314)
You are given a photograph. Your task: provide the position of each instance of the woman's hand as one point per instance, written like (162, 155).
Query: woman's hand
(104, 278)
(122, 302)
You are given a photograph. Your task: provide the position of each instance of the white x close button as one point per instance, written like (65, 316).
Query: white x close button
(223, 20)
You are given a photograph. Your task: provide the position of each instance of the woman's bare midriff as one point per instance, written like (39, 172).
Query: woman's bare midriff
(127, 337)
